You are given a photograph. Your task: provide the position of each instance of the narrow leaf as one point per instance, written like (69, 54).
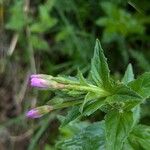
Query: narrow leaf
(93, 107)
(99, 67)
(136, 114)
(141, 60)
(90, 96)
(81, 78)
(72, 115)
(129, 75)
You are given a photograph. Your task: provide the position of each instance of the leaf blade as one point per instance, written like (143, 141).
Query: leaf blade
(92, 137)
(117, 129)
(139, 138)
(141, 85)
(129, 75)
(72, 115)
(99, 67)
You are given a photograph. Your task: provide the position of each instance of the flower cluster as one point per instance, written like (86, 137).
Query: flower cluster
(68, 85)
(43, 82)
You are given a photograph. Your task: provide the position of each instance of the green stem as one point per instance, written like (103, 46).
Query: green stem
(67, 104)
(89, 88)
(75, 85)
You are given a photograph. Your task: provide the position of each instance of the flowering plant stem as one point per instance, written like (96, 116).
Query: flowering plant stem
(67, 104)
(90, 88)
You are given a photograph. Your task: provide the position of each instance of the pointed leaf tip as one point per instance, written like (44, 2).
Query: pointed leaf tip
(99, 67)
(129, 75)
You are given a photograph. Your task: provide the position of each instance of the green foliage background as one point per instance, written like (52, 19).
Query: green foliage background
(58, 37)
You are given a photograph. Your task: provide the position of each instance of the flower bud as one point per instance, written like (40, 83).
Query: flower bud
(38, 111)
(44, 81)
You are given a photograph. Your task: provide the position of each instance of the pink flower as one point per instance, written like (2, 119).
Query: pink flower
(44, 81)
(37, 80)
(39, 111)
(33, 113)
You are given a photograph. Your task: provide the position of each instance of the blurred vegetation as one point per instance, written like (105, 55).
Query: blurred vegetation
(57, 37)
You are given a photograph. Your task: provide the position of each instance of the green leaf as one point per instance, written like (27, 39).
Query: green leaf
(39, 42)
(129, 75)
(136, 114)
(118, 22)
(93, 106)
(17, 19)
(139, 138)
(72, 129)
(118, 126)
(90, 96)
(81, 78)
(48, 147)
(90, 138)
(142, 85)
(125, 96)
(45, 21)
(75, 93)
(127, 146)
(141, 60)
(99, 67)
(72, 115)
(66, 80)
(45, 17)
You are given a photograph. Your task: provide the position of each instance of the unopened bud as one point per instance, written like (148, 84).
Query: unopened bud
(44, 81)
(39, 111)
